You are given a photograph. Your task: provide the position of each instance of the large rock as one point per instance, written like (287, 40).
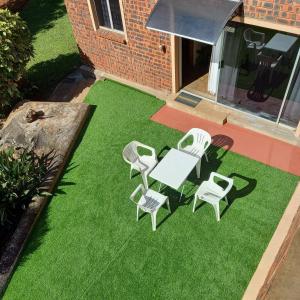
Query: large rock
(53, 131)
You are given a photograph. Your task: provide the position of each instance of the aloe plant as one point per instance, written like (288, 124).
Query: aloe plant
(23, 175)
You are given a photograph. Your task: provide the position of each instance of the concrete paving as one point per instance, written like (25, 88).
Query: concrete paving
(286, 284)
(73, 88)
(220, 114)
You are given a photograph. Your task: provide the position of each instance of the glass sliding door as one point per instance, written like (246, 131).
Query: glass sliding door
(291, 110)
(256, 68)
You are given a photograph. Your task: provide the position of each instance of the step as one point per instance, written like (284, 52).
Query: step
(205, 110)
(265, 127)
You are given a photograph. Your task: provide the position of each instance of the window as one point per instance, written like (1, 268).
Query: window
(109, 14)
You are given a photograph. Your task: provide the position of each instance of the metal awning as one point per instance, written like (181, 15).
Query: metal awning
(200, 20)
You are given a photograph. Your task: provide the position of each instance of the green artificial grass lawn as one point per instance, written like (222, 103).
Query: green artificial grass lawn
(55, 50)
(88, 245)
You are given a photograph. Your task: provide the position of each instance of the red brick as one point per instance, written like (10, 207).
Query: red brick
(140, 59)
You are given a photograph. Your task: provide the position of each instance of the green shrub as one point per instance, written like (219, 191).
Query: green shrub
(22, 176)
(15, 51)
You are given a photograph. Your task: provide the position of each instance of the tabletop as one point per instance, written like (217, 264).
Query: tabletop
(281, 42)
(174, 168)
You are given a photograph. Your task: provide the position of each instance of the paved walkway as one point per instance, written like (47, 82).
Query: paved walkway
(286, 284)
(256, 146)
(73, 88)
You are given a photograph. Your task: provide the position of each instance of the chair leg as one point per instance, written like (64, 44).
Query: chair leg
(217, 211)
(206, 157)
(137, 212)
(144, 176)
(153, 219)
(226, 199)
(198, 168)
(168, 204)
(130, 173)
(195, 201)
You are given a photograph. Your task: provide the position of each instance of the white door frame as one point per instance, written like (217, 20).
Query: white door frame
(178, 53)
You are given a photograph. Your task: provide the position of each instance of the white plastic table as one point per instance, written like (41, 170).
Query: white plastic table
(281, 42)
(174, 169)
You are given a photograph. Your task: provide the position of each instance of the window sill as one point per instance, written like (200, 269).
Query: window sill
(113, 35)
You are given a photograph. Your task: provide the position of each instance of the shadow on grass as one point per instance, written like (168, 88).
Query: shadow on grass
(46, 74)
(41, 15)
(234, 194)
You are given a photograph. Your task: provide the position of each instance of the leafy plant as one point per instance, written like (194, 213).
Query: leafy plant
(15, 51)
(22, 176)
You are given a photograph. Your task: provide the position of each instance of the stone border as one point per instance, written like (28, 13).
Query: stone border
(15, 246)
(276, 250)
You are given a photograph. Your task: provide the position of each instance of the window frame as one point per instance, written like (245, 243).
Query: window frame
(96, 21)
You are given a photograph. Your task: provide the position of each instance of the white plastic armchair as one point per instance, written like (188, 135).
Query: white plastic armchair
(201, 141)
(149, 202)
(254, 39)
(141, 163)
(212, 193)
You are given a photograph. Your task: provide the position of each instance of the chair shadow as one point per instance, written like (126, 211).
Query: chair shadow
(235, 193)
(162, 153)
(221, 141)
(221, 144)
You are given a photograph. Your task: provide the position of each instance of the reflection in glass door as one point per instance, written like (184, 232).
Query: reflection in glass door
(256, 68)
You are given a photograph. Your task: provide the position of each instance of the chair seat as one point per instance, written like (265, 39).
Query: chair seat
(210, 192)
(258, 45)
(194, 150)
(151, 201)
(146, 163)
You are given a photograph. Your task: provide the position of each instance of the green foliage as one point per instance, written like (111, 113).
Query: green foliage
(22, 175)
(15, 52)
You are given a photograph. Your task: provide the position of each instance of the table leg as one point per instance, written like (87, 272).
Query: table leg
(159, 187)
(181, 193)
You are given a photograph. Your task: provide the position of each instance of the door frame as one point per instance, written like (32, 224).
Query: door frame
(176, 54)
(289, 87)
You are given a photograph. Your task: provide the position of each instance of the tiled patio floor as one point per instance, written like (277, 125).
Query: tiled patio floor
(242, 141)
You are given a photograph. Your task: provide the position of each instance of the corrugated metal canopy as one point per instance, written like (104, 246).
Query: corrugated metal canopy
(200, 20)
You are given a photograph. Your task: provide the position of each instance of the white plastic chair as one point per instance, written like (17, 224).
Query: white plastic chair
(141, 163)
(149, 202)
(254, 39)
(212, 193)
(201, 141)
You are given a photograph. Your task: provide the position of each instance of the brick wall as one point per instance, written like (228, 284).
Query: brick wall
(140, 60)
(285, 12)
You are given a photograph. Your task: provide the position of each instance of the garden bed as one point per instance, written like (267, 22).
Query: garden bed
(58, 130)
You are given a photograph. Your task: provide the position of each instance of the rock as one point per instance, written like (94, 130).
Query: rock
(52, 131)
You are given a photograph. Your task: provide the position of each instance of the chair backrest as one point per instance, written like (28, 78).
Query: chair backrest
(200, 137)
(265, 60)
(222, 190)
(130, 154)
(251, 36)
